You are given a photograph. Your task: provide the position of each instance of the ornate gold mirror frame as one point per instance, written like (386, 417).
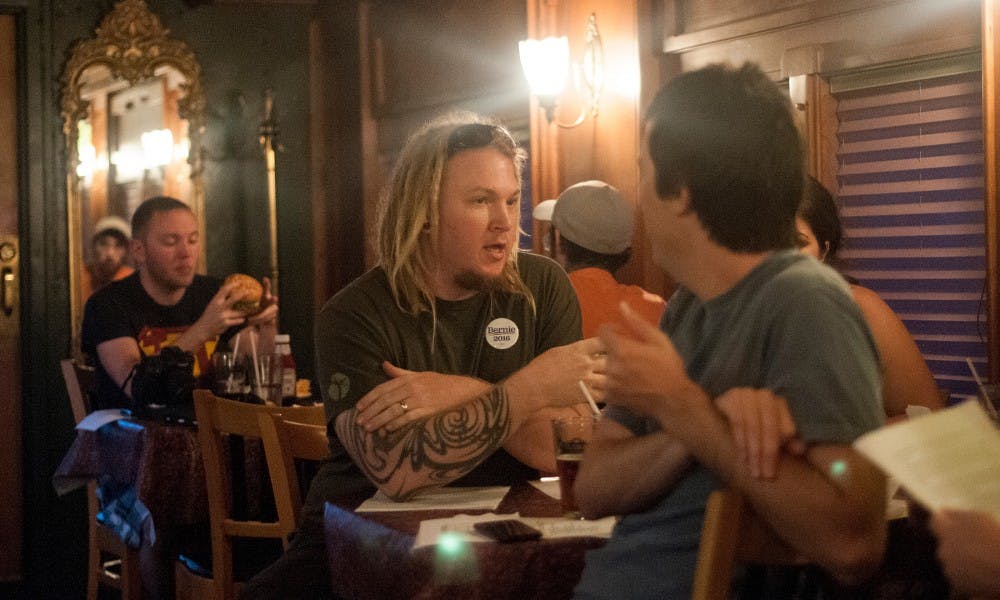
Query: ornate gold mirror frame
(130, 48)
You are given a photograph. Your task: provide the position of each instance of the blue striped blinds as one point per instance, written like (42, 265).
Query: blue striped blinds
(910, 176)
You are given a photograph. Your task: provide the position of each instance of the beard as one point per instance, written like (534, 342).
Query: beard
(163, 277)
(474, 282)
(106, 269)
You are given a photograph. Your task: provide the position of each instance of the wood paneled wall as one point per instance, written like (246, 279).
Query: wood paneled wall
(991, 155)
(423, 58)
(605, 147)
(11, 459)
(337, 168)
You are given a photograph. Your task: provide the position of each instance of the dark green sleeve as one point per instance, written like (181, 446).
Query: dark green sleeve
(557, 308)
(349, 354)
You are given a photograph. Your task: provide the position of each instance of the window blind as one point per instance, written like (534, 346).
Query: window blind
(910, 175)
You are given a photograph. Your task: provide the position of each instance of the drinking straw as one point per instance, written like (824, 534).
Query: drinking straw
(236, 354)
(253, 354)
(590, 399)
(988, 404)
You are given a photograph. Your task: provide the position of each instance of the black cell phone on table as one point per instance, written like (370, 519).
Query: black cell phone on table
(508, 530)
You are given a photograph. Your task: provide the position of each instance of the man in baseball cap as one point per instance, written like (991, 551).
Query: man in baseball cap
(109, 248)
(592, 238)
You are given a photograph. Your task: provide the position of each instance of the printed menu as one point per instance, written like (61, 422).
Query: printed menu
(946, 459)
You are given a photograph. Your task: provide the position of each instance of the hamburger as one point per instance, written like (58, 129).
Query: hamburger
(250, 289)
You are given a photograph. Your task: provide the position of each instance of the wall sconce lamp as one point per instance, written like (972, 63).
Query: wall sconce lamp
(546, 64)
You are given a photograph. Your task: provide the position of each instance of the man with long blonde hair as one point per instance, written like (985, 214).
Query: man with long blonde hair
(446, 362)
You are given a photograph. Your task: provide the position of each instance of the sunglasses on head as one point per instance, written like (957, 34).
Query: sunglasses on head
(477, 135)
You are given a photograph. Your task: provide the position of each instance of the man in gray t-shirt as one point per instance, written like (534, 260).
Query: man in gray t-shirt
(758, 342)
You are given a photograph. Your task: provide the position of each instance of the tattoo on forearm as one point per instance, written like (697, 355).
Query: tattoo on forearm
(439, 449)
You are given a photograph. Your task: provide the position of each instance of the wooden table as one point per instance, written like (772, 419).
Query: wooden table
(163, 463)
(371, 556)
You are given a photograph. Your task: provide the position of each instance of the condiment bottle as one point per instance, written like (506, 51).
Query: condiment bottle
(283, 348)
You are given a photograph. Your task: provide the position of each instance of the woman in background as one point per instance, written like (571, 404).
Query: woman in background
(905, 376)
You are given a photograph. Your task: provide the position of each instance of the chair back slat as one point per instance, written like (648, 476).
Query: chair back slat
(284, 442)
(218, 417)
(313, 415)
(720, 535)
(80, 383)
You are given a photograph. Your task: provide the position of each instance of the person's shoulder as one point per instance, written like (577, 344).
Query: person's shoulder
(127, 287)
(536, 270)
(108, 311)
(529, 261)
(594, 276)
(680, 301)
(371, 289)
(123, 272)
(543, 276)
(796, 273)
(872, 305)
(866, 297)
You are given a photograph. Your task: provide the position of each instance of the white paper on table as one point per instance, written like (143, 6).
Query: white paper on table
(461, 526)
(458, 526)
(548, 486)
(557, 527)
(447, 498)
(949, 458)
(100, 418)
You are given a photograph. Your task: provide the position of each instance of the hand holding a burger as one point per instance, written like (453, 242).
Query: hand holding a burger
(241, 300)
(250, 298)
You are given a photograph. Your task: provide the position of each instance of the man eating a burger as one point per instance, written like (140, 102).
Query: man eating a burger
(165, 303)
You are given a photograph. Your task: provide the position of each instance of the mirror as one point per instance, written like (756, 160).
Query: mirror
(133, 115)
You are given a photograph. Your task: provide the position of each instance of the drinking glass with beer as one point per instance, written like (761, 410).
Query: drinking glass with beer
(571, 437)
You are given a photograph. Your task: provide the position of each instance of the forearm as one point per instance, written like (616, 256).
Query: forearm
(831, 481)
(193, 337)
(532, 443)
(529, 394)
(430, 452)
(627, 474)
(119, 357)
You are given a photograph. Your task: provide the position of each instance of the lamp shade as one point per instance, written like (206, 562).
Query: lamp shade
(545, 63)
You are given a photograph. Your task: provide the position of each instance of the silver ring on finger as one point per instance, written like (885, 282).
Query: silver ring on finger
(404, 406)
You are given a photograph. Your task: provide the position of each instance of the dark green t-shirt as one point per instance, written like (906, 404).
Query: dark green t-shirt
(488, 336)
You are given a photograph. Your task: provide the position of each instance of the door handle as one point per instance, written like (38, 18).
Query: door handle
(8, 291)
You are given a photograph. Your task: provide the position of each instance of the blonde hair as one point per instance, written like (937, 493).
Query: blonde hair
(409, 206)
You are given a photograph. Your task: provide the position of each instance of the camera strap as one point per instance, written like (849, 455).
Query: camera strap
(131, 373)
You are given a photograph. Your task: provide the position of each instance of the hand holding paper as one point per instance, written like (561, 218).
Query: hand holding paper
(948, 459)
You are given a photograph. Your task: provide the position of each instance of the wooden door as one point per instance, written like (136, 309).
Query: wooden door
(11, 488)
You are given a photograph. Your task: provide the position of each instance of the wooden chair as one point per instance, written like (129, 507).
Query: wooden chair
(720, 535)
(284, 442)
(218, 417)
(731, 533)
(106, 551)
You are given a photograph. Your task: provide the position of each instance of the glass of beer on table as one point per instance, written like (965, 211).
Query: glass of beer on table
(571, 437)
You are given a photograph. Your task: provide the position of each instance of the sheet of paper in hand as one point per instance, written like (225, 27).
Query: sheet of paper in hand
(947, 459)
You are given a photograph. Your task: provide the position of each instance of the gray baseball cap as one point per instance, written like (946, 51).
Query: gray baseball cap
(593, 214)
